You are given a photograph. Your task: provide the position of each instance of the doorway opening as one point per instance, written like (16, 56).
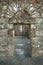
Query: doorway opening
(22, 46)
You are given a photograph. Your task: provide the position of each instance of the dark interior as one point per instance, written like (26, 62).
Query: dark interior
(22, 40)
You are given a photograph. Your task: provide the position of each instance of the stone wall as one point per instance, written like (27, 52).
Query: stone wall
(37, 38)
(3, 37)
(20, 12)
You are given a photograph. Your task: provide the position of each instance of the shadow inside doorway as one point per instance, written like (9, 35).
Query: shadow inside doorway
(22, 46)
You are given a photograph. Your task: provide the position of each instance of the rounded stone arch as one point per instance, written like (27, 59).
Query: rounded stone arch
(26, 13)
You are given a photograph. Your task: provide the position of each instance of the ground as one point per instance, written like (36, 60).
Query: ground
(21, 61)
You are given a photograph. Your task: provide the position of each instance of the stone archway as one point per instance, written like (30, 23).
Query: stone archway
(22, 12)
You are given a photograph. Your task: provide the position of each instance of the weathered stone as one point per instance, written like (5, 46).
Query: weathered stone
(24, 12)
(3, 40)
(3, 33)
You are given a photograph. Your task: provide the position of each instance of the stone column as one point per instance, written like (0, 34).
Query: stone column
(11, 34)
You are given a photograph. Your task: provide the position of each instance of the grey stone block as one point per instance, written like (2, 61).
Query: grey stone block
(3, 40)
(3, 33)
